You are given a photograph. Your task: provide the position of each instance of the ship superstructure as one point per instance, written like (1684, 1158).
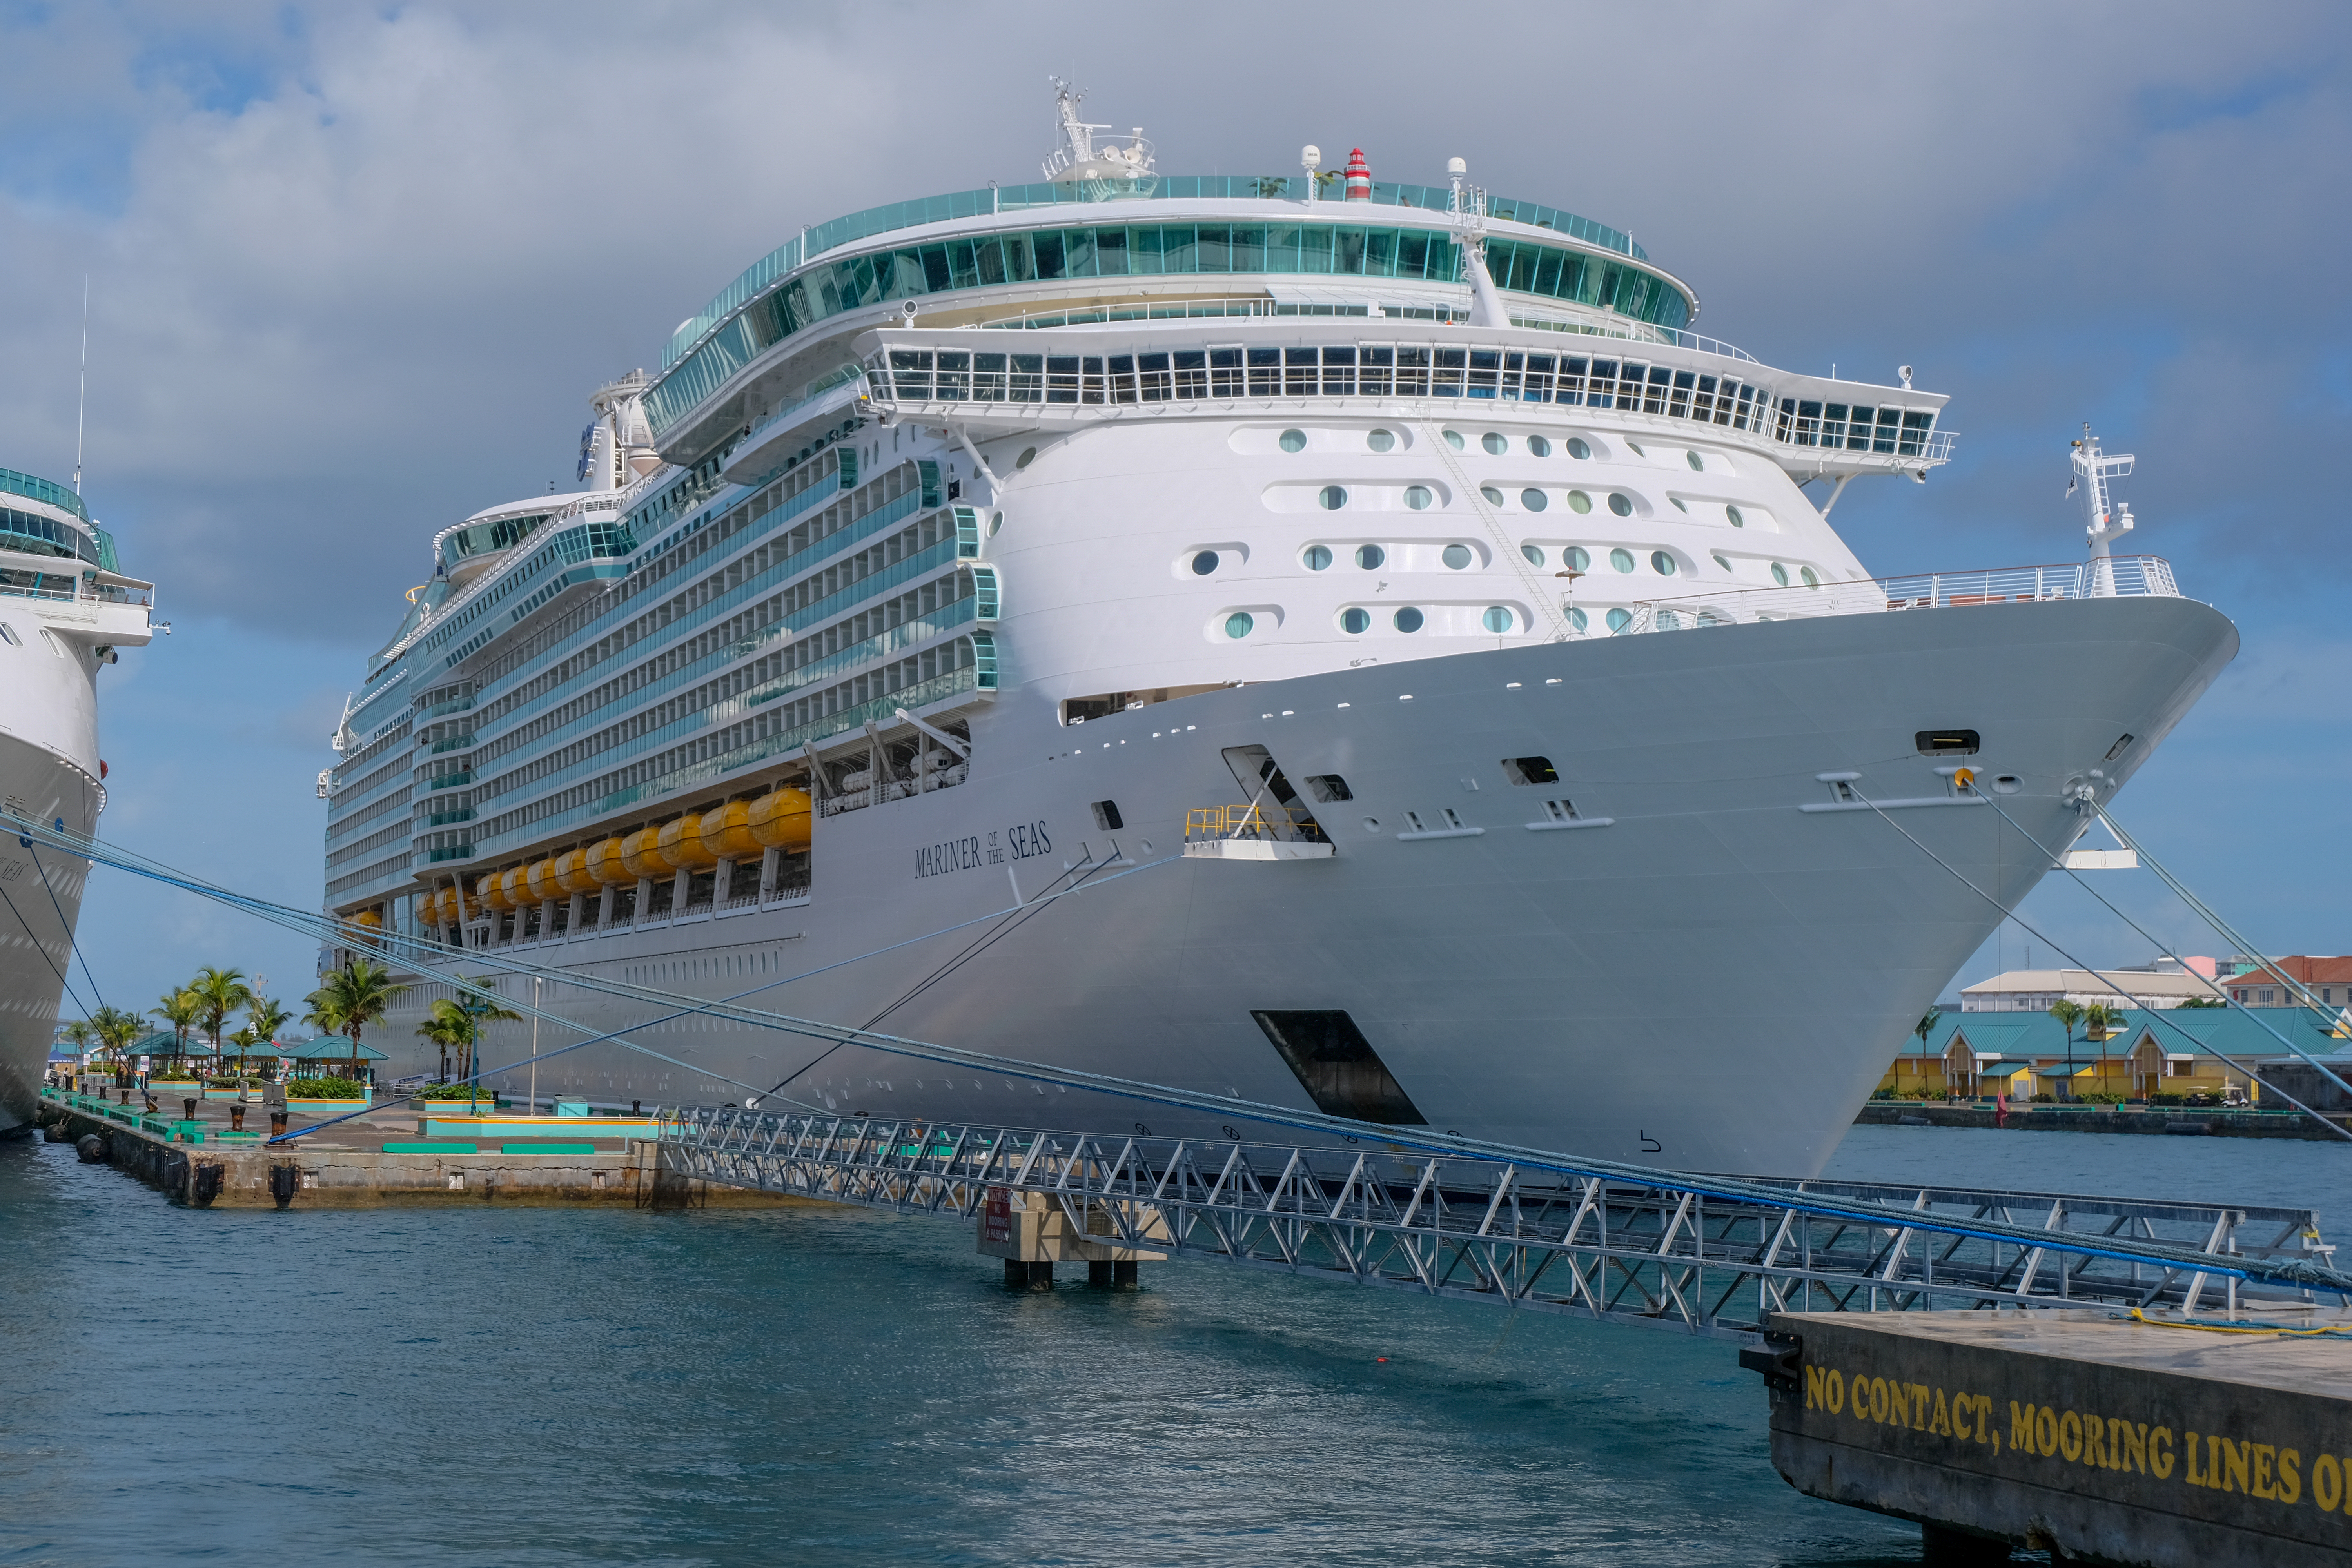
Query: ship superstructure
(1311, 556)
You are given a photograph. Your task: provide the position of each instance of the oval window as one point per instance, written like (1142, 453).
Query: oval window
(1534, 500)
(1418, 498)
(1456, 556)
(1578, 618)
(1381, 440)
(1695, 460)
(995, 524)
(1780, 574)
(1620, 619)
(1494, 442)
(1317, 557)
(1355, 622)
(1492, 496)
(1719, 560)
(1539, 447)
(1204, 563)
(1576, 559)
(1732, 514)
(1578, 501)
(1496, 618)
(1636, 448)
(1453, 439)
(1533, 552)
(1407, 619)
(1028, 456)
(1294, 440)
(1661, 563)
(1678, 504)
(1238, 624)
(1813, 578)
(1623, 560)
(1332, 497)
(1371, 557)
(1621, 503)
(1577, 449)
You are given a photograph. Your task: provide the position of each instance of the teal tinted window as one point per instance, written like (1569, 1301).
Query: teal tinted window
(1496, 618)
(1239, 624)
(1620, 619)
(1407, 619)
(1317, 557)
(1355, 622)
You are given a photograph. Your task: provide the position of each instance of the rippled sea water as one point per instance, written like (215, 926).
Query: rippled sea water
(549, 1386)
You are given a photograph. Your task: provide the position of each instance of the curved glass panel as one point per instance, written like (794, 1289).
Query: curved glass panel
(1407, 619)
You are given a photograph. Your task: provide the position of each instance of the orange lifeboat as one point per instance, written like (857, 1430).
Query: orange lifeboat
(515, 888)
(681, 844)
(541, 879)
(779, 820)
(725, 832)
(572, 872)
(491, 891)
(602, 863)
(641, 854)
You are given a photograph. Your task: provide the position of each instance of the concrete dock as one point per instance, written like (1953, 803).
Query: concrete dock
(2095, 1437)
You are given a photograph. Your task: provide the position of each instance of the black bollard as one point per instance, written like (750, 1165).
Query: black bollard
(277, 1124)
(188, 1110)
(236, 1118)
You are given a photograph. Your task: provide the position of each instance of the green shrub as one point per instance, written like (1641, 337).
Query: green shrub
(458, 1091)
(1888, 1093)
(2167, 1097)
(2045, 1099)
(326, 1089)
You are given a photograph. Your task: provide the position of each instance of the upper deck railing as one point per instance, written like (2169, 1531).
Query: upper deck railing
(2120, 576)
(32, 486)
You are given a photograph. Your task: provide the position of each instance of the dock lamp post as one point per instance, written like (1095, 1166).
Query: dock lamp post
(474, 1007)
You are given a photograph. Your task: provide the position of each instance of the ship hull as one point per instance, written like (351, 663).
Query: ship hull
(40, 900)
(1713, 980)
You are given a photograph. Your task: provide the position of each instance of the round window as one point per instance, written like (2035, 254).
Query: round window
(1204, 563)
(1332, 497)
(1534, 500)
(1621, 503)
(1496, 618)
(1371, 557)
(1355, 622)
(1453, 439)
(1719, 560)
(1456, 557)
(1318, 557)
(1533, 552)
(1732, 514)
(1661, 563)
(1577, 449)
(1028, 456)
(1492, 496)
(1578, 501)
(1418, 498)
(1381, 440)
(1494, 442)
(995, 523)
(1813, 578)
(1620, 619)
(1576, 559)
(1539, 447)
(1780, 574)
(1578, 619)
(1294, 440)
(1238, 624)
(1623, 560)
(1407, 619)
(1695, 460)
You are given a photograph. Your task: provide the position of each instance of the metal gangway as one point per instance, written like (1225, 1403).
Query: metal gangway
(1713, 1256)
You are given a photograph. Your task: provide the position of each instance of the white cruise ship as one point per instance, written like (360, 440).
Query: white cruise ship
(1453, 644)
(64, 609)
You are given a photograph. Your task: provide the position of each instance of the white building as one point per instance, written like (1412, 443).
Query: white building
(2162, 985)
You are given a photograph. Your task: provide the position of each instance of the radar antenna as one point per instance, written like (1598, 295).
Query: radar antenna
(81, 400)
(2104, 521)
(1470, 233)
(1105, 174)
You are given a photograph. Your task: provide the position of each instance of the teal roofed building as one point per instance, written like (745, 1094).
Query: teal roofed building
(2206, 1052)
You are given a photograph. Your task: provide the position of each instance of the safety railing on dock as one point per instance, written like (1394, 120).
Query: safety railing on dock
(1703, 1255)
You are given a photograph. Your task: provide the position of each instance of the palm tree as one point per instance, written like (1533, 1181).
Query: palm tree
(2101, 1021)
(2069, 1014)
(181, 1009)
(265, 1016)
(446, 1025)
(219, 993)
(1923, 1028)
(481, 1005)
(78, 1035)
(118, 1030)
(358, 995)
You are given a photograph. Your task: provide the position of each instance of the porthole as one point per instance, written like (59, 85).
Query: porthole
(1490, 495)
(1294, 440)
(1678, 504)
(1813, 578)
(1380, 440)
(9, 635)
(1578, 501)
(1697, 462)
(1576, 558)
(1731, 515)
(1780, 574)
(1453, 439)
(1355, 623)
(995, 522)
(1494, 442)
(1620, 619)
(1456, 557)
(1623, 560)
(1576, 447)
(1028, 456)
(1534, 499)
(1534, 552)
(1239, 624)
(1332, 497)
(1497, 619)
(1316, 558)
(1662, 563)
(1418, 498)
(1371, 557)
(1636, 448)
(1204, 563)
(1407, 619)
(1719, 560)
(1578, 618)
(1621, 503)
(1538, 445)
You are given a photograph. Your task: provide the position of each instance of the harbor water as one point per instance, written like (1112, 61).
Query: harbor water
(557, 1386)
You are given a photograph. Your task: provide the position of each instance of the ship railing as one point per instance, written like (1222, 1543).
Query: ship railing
(1257, 820)
(1696, 1254)
(87, 594)
(2121, 576)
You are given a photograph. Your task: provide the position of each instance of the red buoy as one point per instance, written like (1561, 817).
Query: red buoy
(1359, 177)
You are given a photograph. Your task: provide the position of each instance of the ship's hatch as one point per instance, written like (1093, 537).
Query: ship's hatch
(1264, 787)
(1338, 1066)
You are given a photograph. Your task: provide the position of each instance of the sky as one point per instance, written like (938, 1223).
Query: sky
(354, 272)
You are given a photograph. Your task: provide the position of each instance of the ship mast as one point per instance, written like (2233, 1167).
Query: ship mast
(2103, 520)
